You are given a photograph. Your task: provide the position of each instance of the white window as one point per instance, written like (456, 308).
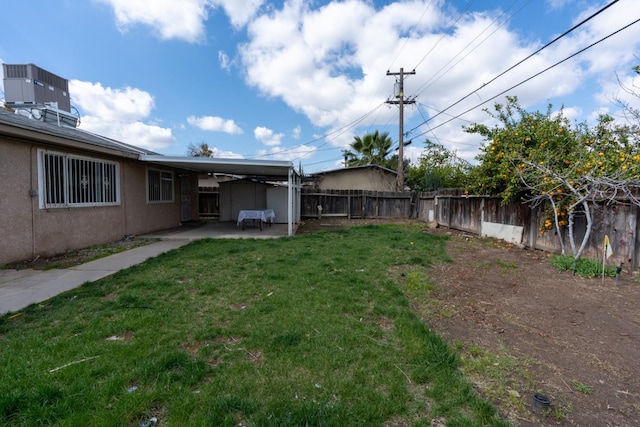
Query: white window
(75, 181)
(159, 186)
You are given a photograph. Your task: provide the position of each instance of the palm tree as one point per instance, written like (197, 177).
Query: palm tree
(372, 149)
(200, 150)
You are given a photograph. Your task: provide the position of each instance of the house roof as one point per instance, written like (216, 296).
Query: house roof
(17, 126)
(350, 168)
(265, 169)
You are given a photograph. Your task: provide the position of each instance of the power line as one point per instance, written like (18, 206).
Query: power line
(441, 112)
(468, 5)
(521, 61)
(336, 132)
(530, 78)
(441, 72)
(424, 12)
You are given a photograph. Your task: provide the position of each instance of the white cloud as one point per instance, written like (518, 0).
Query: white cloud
(239, 12)
(299, 152)
(140, 134)
(170, 19)
(180, 19)
(330, 62)
(295, 133)
(626, 90)
(267, 136)
(215, 124)
(118, 114)
(127, 104)
(572, 113)
(222, 154)
(224, 61)
(558, 4)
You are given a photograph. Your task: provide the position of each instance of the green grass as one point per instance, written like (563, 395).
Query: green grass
(80, 256)
(582, 388)
(309, 330)
(589, 268)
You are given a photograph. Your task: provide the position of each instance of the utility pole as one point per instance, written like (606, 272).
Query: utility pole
(401, 102)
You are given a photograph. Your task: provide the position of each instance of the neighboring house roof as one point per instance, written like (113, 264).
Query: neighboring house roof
(340, 170)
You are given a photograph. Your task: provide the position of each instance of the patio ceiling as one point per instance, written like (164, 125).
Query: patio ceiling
(274, 169)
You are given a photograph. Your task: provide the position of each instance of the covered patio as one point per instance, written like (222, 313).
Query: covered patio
(264, 171)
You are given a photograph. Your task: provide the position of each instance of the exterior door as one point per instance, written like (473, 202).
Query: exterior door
(185, 198)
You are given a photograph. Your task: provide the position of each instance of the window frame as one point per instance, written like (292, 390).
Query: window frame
(70, 180)
(164, 177)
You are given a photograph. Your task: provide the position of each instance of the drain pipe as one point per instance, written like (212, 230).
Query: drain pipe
(33, 193)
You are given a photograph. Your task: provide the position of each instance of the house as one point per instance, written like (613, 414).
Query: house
(62, 188)
(368, 177)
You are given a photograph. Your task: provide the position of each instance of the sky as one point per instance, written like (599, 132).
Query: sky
(298, 80)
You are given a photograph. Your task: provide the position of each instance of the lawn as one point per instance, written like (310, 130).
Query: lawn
(311, 330)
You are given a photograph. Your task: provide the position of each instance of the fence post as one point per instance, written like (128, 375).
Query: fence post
(633, 227)
(533, 227)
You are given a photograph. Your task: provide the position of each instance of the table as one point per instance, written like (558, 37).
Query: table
(261, 215)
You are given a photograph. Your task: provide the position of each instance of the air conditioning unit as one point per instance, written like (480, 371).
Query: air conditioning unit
(28, 85)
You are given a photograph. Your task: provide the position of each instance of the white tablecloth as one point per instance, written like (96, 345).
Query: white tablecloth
(264, 215)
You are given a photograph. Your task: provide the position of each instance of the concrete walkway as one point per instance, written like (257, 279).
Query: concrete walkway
(20, 288)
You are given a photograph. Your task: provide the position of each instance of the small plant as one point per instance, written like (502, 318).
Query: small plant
(582, 388)
(588, 268)
(560, 411)
(506, 265)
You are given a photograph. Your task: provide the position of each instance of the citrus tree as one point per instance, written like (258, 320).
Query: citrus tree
(540, 159)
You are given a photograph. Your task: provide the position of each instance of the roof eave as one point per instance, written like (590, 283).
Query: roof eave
(36, 136)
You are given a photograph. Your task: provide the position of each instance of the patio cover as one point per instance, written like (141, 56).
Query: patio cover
(264, 170)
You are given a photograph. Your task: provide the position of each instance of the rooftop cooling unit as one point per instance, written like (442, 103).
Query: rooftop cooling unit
(29, 87)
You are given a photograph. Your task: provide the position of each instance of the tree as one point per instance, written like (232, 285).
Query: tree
(372, 149)
(437, 168)
(200, 150)
(540, 159)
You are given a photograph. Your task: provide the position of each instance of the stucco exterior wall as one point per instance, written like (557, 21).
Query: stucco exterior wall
(358, 179)
(142, 217)
(27, 231)
(15, 202)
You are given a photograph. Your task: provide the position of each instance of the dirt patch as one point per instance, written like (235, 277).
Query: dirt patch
(73, 258)
(572, 339)
(576, 340)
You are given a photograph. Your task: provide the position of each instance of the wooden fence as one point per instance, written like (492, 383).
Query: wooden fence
(483, 215)
(354, 204)
(208, 202)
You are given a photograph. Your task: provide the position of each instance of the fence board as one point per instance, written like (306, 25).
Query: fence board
(451, 208)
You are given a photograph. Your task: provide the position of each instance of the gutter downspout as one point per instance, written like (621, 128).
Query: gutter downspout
(32, 195)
